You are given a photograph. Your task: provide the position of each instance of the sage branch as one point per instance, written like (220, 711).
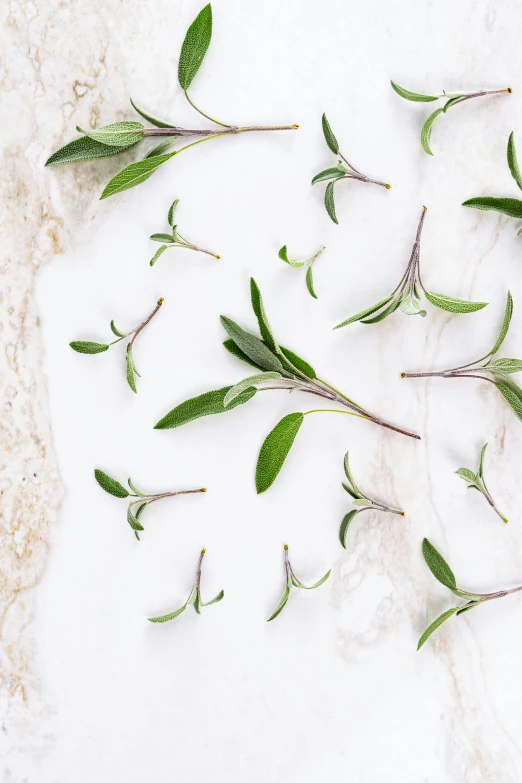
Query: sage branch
(292, 581)
(174, 239)
(477, 481)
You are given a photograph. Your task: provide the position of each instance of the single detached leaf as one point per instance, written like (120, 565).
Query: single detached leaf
(206, 404)
(235, 351)
(130, 369)
(505, 323)
(467, 475)
(116, 331)
(321, 581)
(254, 348)
(281, 605)
(166, 617)
(83, 347)
(453, 305)
(262, 319)
(426, 131)
(135, 174)
(117, 134)
(248, 383)
(158, 253)
(413, 96)
(132, 519)
(298, 363)
(275, 450)
(435, 624)
(512, 161)
(506, 366)
(159, 123)
(343, 530)
(84, 148)
(283, 255)
(329, 136)
(512, 394)
(310, 282)
(171, 212)
(215, 600)
(364, 313)
(327, 174)
(384, 313)
(507, 206)
(110, 485)
(438, 566)
(194, 48)
(161, 238)
(329, 201)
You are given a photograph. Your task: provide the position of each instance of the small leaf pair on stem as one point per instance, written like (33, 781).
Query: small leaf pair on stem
(343, 170)
(82, 346)
(283, 255)
(121, 136)
(451, 98)
(174, 239)
(292, 581)
(406, 295)
(278, 369)
(477, 481)
(362, 503)
(136, 507)
(441, 571)
(194, 598)
(495, 371)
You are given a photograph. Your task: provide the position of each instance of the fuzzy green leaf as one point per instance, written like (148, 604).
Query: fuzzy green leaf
(117, 134)
(171, 212)
(206, 404)
(84, 148)
(254, 348)
(110, 485)
(413, 96)
(116, 331)
(248, 383)
(275, 450)
(135, 489)
(159, 123)
(282, 603)
(132, 518)
(512, 161)
(84, 347)
(343, 530)
(512, 394)
(327, 174)
(262, 319)
(482, 455)
(329, 136)
(298, 363)
(215, 600)
(438, 566)
(435, 624)
(384, 313)
(452, 305)
(158, 253)
(162, 238)
(426, 131)
(130, 369)
(348, 474)
(505, 323)
(321, 581)
(329, 201)
(506, 366)
(467, 475)
(283, 255)
(166, 617)
(161, 148)
(235, 351)
(364, 313)
(310, 282)
(507, 206)
(194, 48)
(135, 174)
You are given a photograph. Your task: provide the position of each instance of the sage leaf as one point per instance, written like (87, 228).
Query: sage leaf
(135, 489)
(321, 581)
(507, 366)
(413, 96)
(300, 364)
(135, 174)
(343, 530)
(157, 254)
(438, 566)
(512, 161)
(310, 282)
(505, 323)
(512, 394)
(467, 475)
(248, 383)
(350, 491)
(161, 238)
(329, 136)
(235, 351)
(329, 201)
(426, 131)
(194, 48)
(161, 148)
(364, 313)
(118, 134)
(159, 123)
(206, 404)
(453, 305)
(130, 369)
(132, 519)
(166, 617)
(262, 319)
(327, 174)
(283, 255)
(482, 455)
(116, 331)
(384, 314)
(110, 485)
(409, 305)
(172, 209)
(348, 474)
(84, 347)
(275, 450)
(467, 608)
(435, 624)
(507, 206)
(254, 348)
(282, 603)
(215, 600)
(84, 148)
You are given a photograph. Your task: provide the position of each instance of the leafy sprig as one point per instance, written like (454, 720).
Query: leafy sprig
(441, 571)
(406, 295)
(174, 239)
(360, 501)
(81, 346)
(119, 137)
(194, 598)
(143, 500)
(292, 581)
(451, 98)
(343, 170)
(279, 369)
(477, 481)
(283, 255)
(495, 371)
(506, 206)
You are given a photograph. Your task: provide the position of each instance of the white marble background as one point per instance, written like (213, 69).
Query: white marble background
(334, 687)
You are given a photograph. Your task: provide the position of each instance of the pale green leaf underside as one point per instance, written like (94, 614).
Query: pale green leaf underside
(343, 530)
(467, 475)
(413, 96)
(507, 366)
(321, 581)
(310, 282)
(281, 604)
(117, 134)
(505, 323)
(247, 383)
(329, 201)
(194, 47)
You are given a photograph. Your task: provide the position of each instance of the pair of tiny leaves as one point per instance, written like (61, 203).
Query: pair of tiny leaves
(283, 255)
(114, 487)
(477, 480)
(82, 346)
(167, 239)
(292, 581)
(506, 206)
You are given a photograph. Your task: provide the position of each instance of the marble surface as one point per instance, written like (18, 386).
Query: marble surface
(334, 687)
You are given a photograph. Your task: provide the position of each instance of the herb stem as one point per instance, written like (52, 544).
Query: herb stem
(189, 246)
(223, 124)
(142, 326)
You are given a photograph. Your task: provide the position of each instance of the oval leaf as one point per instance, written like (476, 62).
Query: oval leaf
(130, 370)
(467, 475)
(275, 450)
(329, 201)
(452, 305)
(343, 530)
(135, 174)
(438, 566)
(507, 366)
(166, 617)
(206, 404)
(364, 313)
(507, 206)
(116, 331)
(117, 134)
(329, 136)
(413, 96)
(194, 48)
(248, 383)
(110, 485)
(435, 624)
(426, 131)
(171, 212)
(84, 347)
(84, 148)
(310, 282)
(512, 395)
(327, 174)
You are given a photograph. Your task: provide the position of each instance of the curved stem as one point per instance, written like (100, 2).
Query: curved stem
(208, 117)
(139, 328)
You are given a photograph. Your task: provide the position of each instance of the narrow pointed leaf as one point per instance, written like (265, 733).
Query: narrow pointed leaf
(281, 605)
(384, 313)
(85, 347)
(350, 491)
(171, 212)
(507, 206)
(364, 313)
(166, 617)
(348, 474)
(161, 148)
(327, 174)
(135, 489)
(329, 136)
(506, 366)
(84, 148)
(161, 238)
(117, 134)
(194, 48)
(435, 624)
(262, 319)
(300, 364)
(206, 404)
(135, 174)
(512, 161)
(159, 123)
(437, 565)
(426, 131)
(130, 370)
(505, 323)
(116, 331)
(310, 282)
(452, 305)
(215, 600)
(254, 348)
(413, 96)
(235, 351)
(329, 201)
(343, 530)
(132, 519)
(321, 581)
(283, 255)
(482, 455)
(274, 450)
(158, 253)
(110, 485)
(248, 383)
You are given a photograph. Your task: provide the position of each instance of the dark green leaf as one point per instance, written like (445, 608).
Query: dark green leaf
(385, 313)
(117, 134)
(235, 351)
(84, 148)
(135, 174)
(329, 136)
(130, 369)
(505, 323)
(435, 624)
(110, 485)
(343, 530)
(158, 253)
(507, 206)
(329, 201)
(166, 617)
(452, 305)
(254, 348)
(205, 405)
(194, 48)
(151, 117)
(310, 282)
(283, 255)
(282, 603)
(171, 212)
(84, 347)
(298, 363)
(160, 148)
(413, 96)
(262, 320)
(467, 608)
(327, 174)
(438, 566)
(482, 455)
(426, 131)
(454, 99)
(512, 161)
(275, 450)
(364, 313)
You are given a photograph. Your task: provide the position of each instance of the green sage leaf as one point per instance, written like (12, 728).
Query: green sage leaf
(206, 404)
(507, 206)
(512, 394)
(160, 148)
(171, 212)
(132, 519)
(364, 313)
(329, 201)
(343, 530)
(116, 331)
(310, 282)
(384, 314)
(162, 238)
(117, 134)
(135, 174)
(512, 161)
(329, 136)
(467, 475)
(84, 347)
(84, 148)
(438, 566)
(215, 600)
(426, 131)
(194, 48)
(507, 366)
(135, 489)
(452, 305)
(300, 364)
(159, 123)
(413, 96)
(282, 603)
(158, 253)
(327, 174)
(254, 348)
(110, 485)
(435, 624)
(349, 476)
(130, 369)
(505, 323)
(248, 383)
(321, 581)
(482, 455)
(166, 617)
(262, 319)
(275, 450)
(235, 351)
(283, 255)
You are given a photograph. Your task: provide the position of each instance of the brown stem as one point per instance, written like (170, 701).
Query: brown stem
(139, 328)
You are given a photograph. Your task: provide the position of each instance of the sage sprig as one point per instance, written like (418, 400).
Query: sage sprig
(343, 170)
(477, 481)
(279, 369)
(360, 501)
(81, 346)
(194, 598)
(441, 571)
(406, 295)
(174, 239)
(292, 581)
(495, 371)
(136, 507)
(119, 137)
(283, 255)
(451, 98)
(506, 206)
